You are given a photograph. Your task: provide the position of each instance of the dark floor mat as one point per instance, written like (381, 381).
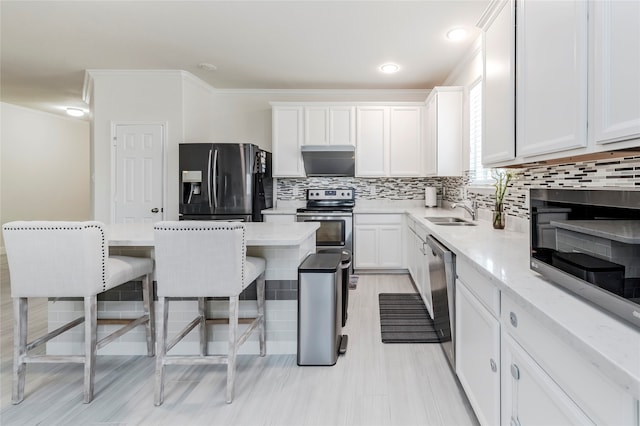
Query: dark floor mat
(405, 319)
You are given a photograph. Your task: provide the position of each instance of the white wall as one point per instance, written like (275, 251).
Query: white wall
(245, 115)
(134, 97)
(44, 166)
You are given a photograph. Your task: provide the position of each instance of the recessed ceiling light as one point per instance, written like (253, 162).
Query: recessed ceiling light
(389, 68)
(207, 67)
(75, 112)
(457, 34)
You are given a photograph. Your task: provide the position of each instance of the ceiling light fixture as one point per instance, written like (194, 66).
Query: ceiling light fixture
(207, 67)
(457, 34)
(389, 68)
(75, 112)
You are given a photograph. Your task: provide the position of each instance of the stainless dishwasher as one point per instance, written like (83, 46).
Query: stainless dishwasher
(442, 275)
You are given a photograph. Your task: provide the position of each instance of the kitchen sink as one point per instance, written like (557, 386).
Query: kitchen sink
(449, 221)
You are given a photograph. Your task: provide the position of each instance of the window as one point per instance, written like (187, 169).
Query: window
(478, 174)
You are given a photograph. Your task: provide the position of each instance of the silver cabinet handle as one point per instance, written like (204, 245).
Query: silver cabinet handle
(215, 179)
(494, 366)
(155, 210)
(513, 318)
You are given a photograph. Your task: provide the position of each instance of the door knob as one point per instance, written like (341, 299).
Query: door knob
(155, 210)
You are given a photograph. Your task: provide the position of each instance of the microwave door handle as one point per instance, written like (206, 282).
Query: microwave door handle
(209, 179)
(215, 179)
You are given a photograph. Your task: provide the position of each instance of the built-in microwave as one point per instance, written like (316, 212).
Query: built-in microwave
(588, 242)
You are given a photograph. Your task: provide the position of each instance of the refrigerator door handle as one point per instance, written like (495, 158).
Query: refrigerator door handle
(215, 179)
(209, 179)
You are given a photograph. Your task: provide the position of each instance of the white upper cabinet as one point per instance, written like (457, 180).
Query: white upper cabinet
(287, 128)
(551, 45)
(498, 140)
(329, 125)
(442, 154)
(615, 85)
(389, 140)
(405, 141)
(372, 140)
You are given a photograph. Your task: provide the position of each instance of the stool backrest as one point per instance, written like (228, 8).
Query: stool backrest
(199, 258)
(56, 258)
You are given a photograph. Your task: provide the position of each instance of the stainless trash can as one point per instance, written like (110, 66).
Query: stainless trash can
(319, 309)
(345, 265)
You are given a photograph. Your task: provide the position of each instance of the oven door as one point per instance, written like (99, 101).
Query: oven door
(334, 228)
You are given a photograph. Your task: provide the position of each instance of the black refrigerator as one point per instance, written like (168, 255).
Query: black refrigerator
(226, 182)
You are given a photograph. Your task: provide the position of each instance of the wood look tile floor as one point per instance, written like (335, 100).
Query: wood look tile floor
(372, 384)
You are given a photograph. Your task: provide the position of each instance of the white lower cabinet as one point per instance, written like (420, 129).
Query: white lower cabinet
(530, 396)
(546, 381)
(377, 241)
(478, 355)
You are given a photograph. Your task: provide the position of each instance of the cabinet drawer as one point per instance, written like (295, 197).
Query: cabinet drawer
(377, 219)
(602, 400)
(487, 293)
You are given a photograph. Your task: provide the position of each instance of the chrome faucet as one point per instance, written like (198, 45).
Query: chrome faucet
(473, 210)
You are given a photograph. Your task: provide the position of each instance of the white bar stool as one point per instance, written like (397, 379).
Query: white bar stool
(204, 259)
(68, 259)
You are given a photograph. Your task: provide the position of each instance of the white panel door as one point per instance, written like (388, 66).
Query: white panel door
(316, 125)
(390, 246)
(478, 355)
(430, 142)
(287, 139)
(551, 76)
(138, 174)
(498, 141)
(372, 141)
(365, 246)
(342, 125)
(405, 141)
(615, 59)
(529, 395)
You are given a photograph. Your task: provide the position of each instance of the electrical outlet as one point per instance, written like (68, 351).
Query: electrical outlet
(372, 191)
(295, 191)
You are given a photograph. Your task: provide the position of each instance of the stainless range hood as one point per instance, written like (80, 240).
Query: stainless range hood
(329, 160)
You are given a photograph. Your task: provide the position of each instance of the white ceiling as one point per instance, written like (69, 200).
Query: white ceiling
(47, 45)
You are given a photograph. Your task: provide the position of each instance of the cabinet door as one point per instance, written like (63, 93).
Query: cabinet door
(405, 141)
(390, 246)
(430, 142)
(316, 125)
(372, 141)
(615, 61)
(529, 395)
(365, 246)
(342, 127)
(287, 138)
(449, 131)
(551, 76)
(498, 141)
(478, 355)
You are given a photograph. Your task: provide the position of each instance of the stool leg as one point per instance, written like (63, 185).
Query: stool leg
(203, 325)
(161, 350)
(233, 346)
(20, 313)
(90, 336)
(147, 300)
(261, 325)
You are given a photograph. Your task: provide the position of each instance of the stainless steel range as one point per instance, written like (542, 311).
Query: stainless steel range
(333, 208)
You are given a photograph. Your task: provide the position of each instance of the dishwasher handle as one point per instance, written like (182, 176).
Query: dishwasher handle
(439, 249)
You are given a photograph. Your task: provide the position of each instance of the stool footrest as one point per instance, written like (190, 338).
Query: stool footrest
(119, 332)
(50, 359)
(58, 331)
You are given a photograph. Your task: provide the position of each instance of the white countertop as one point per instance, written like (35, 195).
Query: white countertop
(258, 234)
(610, 344)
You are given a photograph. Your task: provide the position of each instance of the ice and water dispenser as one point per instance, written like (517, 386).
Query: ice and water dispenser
(191, 185)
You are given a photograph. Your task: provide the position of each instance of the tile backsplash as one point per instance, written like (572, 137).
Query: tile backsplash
(615, 173)
(291, 189)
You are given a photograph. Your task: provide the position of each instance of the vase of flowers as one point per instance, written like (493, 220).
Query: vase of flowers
(502, 178)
